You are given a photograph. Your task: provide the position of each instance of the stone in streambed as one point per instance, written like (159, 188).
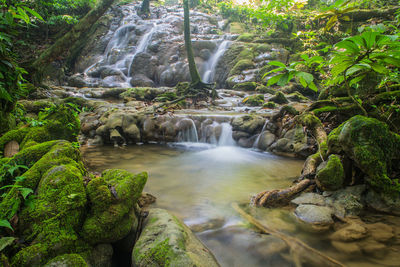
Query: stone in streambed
(166, 241)
(314, 218)
(309, 198)
(350, 233)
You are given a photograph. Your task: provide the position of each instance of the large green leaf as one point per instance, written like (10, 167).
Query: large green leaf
(354, 69)
(306, 76)
(370, 38)
(283, 80)
(350, 46)
(277, 63)
(340, 68)
(274, 79)
(379, 68)
(33, 13)
(6, 241)
(6, 224)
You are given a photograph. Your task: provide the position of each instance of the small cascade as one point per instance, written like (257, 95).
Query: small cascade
(255, 145)
(188, 133)
(226, 135)
(142, 46)
(211, 64)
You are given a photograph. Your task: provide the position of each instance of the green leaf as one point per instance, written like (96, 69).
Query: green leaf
(354, 69)
(22, 15)
(392, 60)
(340, 68)
(25, 192)
(313, 86)
(33, 12)
(303, 82)
(274, 79)
(277, 63)
(283, 80)
(5, 223)
(379, 68)
(331, 22)
(349, 46)
(6, 241)
(306, 76)
(370, 38)
(357, 80)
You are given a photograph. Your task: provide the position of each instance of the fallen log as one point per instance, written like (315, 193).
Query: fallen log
(300, 251)
(280, 197)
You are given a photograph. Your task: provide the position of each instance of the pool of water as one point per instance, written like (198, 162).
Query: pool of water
(199, 182)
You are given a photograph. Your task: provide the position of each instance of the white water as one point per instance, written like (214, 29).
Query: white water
(211, 64)
(255, 145)
(226, 135)
(189, 134)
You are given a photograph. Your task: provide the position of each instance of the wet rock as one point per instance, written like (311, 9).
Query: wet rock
(330, 174)
(132, 132)
(248, 124)
(211, 224)
(141, 80)
(319, 218)
(349, 233)
(77, 80)
(347, 248)
(67, 260)
(382, 203)
(373, 248)
(101, 256)
(348, 201)
(309, 198)
(266, 139)
(165, 240)
(380, 232)
(245, 86)
(146, 199)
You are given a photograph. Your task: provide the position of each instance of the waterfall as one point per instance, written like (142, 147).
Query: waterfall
(211, 64)
(255, 145)
(142, 46)
(226, 135)
(189, 134)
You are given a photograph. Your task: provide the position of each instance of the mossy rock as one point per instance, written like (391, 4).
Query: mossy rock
(246, 37)
(36, 105)
(236, 28)
(263, 48)
(166, 241)
(265, 90)
(246, 86)
(248, 123)
(113, 197)
(330, 174)
(279, 98)
(298, 97)
(269, 105)
(241, 65)
(373, 147)
(254, 100)
(67, 260)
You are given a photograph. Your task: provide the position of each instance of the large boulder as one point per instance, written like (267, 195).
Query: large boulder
(372, 147)
(166, 241)
(113, 197)
(330, 174)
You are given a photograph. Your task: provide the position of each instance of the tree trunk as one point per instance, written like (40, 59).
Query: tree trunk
(66, 42)
(194, 74)
(145, 8)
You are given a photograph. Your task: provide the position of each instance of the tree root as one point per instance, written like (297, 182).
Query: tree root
(282, 197)
(299, 250)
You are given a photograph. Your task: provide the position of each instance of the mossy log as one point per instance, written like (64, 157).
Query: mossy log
(366, 14)
(280, 197)
(63, 44)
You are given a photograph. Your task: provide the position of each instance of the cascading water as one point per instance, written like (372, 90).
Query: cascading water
(255, 145)
(189, 132)
(211, 64)
(225, 138)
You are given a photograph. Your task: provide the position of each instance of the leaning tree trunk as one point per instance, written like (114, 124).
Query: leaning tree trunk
(145, 8)
(194, 73)
(64, 43)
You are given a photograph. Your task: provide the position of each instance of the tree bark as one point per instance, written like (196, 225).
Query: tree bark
(64, 43)
(194, 73)
(282, 197)
(145, 8)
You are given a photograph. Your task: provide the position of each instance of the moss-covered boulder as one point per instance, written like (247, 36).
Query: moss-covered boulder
(248, 124)
(279, 98)
(265, 90)
(113, 197)
(253, 100)
(166, 241)
(246, 37)
(241, 65)
(330, 174)
(269, 104)
(67, 260)
(246, 86)
(373, 147)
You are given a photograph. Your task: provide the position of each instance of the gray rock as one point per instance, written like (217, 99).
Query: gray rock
(266, 139)
(314, 214)
(348, 201)
(101, 256)
(166, 241)
(77, 80)
(141, 80)
(309, 198)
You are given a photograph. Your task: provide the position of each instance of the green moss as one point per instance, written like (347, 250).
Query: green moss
(372, 146)
(67, 260)
(168, 96)
(330, 174)
(265, 89)
(161, 253)
(14, 135)
(246, 37)
(288, 109)
(236, 28)
(254, 100)
(240, 66)
(297, 96)
(246, 86)
(269, 105)
(113, 197)
(309, 120)
(262, 48)
(181, 88)
(279, 98)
